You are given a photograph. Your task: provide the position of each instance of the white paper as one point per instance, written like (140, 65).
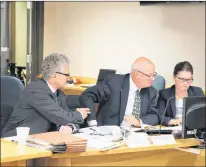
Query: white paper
(12, 138)
(69, 85)
(87, 85)
(136, 129)
(106, 130)
(137, 140)
(96, 141)
(163, 139)
(173, 128)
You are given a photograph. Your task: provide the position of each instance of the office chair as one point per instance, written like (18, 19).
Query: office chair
(11, 87)
(159, 82)
(103, 73)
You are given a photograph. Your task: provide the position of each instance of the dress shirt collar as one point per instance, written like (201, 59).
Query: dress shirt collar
(132, 86)
(51, 87)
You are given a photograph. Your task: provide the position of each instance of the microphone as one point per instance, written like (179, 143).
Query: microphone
(165, 113)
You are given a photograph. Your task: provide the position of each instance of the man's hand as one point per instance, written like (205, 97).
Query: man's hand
(130, 119)
(66, 129)
(175, 122)
(84, 112)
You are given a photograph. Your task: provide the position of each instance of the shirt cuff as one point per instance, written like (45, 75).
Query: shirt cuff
(74, 127)
(141, 123)
(92, 123)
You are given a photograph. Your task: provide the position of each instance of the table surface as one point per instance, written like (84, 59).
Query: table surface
(11, 151)
(124, 149)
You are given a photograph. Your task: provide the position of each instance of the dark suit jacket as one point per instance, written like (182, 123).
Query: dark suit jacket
(38, 109)
(112, 96)
(165, 94)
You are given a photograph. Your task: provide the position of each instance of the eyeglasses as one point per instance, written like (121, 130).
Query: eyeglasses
(185, 80)
(149, 76)
(63, 74)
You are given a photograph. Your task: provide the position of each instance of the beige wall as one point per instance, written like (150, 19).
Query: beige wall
(113, 34)
(20, 33)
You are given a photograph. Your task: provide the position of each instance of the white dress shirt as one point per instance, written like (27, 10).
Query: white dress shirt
(131, 98)
(51, 87)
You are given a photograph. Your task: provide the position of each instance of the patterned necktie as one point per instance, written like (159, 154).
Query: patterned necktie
(137, 105)
(55, 95)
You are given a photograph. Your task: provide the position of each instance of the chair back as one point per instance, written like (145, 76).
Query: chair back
(11, 88)
(159, 82)
(103, 73)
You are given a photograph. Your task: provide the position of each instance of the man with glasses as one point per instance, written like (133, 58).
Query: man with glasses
(42, 105)
(124, 99)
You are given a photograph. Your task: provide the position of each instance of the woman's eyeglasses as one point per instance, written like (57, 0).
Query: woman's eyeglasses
(185, 80)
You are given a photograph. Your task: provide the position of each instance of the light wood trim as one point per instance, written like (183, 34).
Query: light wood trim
(73, 90)
(21, 163)
(51, 162)
(15, 152)
(12, 32)
(85, 80)
(166, 157)
(76, 89)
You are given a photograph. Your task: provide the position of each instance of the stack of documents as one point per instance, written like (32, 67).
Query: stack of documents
(72, 143)
(102, 137)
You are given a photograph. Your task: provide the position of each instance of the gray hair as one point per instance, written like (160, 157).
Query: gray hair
(53, 63)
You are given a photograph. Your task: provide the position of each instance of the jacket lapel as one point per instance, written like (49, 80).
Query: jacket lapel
(124, 97)
(190, 92)
(173, 101)
(144, 98)
(48, 89)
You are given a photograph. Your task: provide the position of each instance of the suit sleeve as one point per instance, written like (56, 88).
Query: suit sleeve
(45, 105)
(152, 116)
(95, 94)
(75, 127)
(161, 107)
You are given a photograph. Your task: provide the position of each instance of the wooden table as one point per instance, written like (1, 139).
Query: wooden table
(73, 90)
(76, 89)
(165, 155)
(13, 154)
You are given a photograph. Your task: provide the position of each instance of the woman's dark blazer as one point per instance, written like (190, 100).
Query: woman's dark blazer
(165, 94)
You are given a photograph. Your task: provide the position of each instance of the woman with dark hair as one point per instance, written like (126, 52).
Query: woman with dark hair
(183, 77)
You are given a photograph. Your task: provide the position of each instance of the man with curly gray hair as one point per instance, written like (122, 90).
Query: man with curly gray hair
(42, 105)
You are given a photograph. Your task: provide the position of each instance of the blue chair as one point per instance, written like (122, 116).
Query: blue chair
(159, 82)
(11, 87)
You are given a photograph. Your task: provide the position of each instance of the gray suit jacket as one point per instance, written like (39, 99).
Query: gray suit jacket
(112, 96)
(38, 109)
